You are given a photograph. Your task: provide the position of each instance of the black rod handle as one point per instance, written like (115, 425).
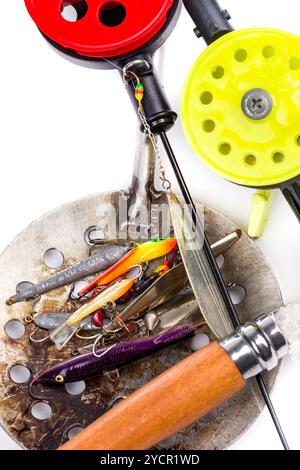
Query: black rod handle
(211, 21)
(291, 192)
(156, 106)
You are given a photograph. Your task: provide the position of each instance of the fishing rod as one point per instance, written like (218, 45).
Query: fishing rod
(222, 287)
(101, 38)
(212, 23)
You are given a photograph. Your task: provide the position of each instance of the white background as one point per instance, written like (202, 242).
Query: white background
(66, 132)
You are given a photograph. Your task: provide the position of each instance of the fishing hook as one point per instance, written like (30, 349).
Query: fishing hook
(88, 337)
(104, 352)
(42, 340)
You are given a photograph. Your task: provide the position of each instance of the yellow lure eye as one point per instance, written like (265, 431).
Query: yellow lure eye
(60, 379)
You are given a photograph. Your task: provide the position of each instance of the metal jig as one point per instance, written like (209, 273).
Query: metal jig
(91, 265)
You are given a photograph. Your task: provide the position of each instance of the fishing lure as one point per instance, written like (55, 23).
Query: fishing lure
(158, 289)
(182, 308)
(100, 261)
(144, 284)
(113, 357)
(50, 321)
(145, 252)
(63, 333)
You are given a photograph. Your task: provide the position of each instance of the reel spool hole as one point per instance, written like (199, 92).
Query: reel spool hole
(112, 14)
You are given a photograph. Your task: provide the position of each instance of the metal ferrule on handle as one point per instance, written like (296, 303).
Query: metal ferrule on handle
(256, 347)
(187, 391)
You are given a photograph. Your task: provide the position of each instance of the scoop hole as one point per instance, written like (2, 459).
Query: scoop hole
(75, 388)
(251, 160)
(23, 286)
(73, 11)
(237, 294)
(19, 374)
(14, 329)
(206, 98)
(218, 72)
(199, 341)
(112, 14)
(294, 63)
(41, 410)
(209, 126)
(268, 52)
(225, 149)
(74, 430)
(53, 258)
(241, 55)
(298, 140)
(278, 157)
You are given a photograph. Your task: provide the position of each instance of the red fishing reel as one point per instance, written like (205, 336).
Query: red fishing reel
(101, 28)
(108, 34)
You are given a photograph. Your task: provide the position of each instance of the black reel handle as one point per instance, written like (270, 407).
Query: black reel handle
(211, 21)
(291, 192)
(157, 110)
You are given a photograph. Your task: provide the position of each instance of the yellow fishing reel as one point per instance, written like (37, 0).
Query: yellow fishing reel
(241, 111)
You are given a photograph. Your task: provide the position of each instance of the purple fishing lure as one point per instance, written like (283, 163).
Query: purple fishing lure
(113, 357)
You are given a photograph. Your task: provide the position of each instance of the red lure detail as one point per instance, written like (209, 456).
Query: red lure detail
(98, 319)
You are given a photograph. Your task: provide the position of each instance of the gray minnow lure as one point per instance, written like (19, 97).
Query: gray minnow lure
(50, 321)
(100, 261)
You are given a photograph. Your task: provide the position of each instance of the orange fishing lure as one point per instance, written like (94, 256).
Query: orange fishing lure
(145, 252)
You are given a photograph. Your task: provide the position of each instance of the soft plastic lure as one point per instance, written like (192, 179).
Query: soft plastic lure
(145, 252)
(91, 265)
(113, 357)
(63, 333)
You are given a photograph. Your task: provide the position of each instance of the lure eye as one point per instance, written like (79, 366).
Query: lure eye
(60, 379)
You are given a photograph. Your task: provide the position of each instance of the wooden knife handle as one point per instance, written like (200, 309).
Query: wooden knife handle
(175, 399)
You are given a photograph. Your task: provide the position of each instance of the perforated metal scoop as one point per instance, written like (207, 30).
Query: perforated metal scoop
(63, 411)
